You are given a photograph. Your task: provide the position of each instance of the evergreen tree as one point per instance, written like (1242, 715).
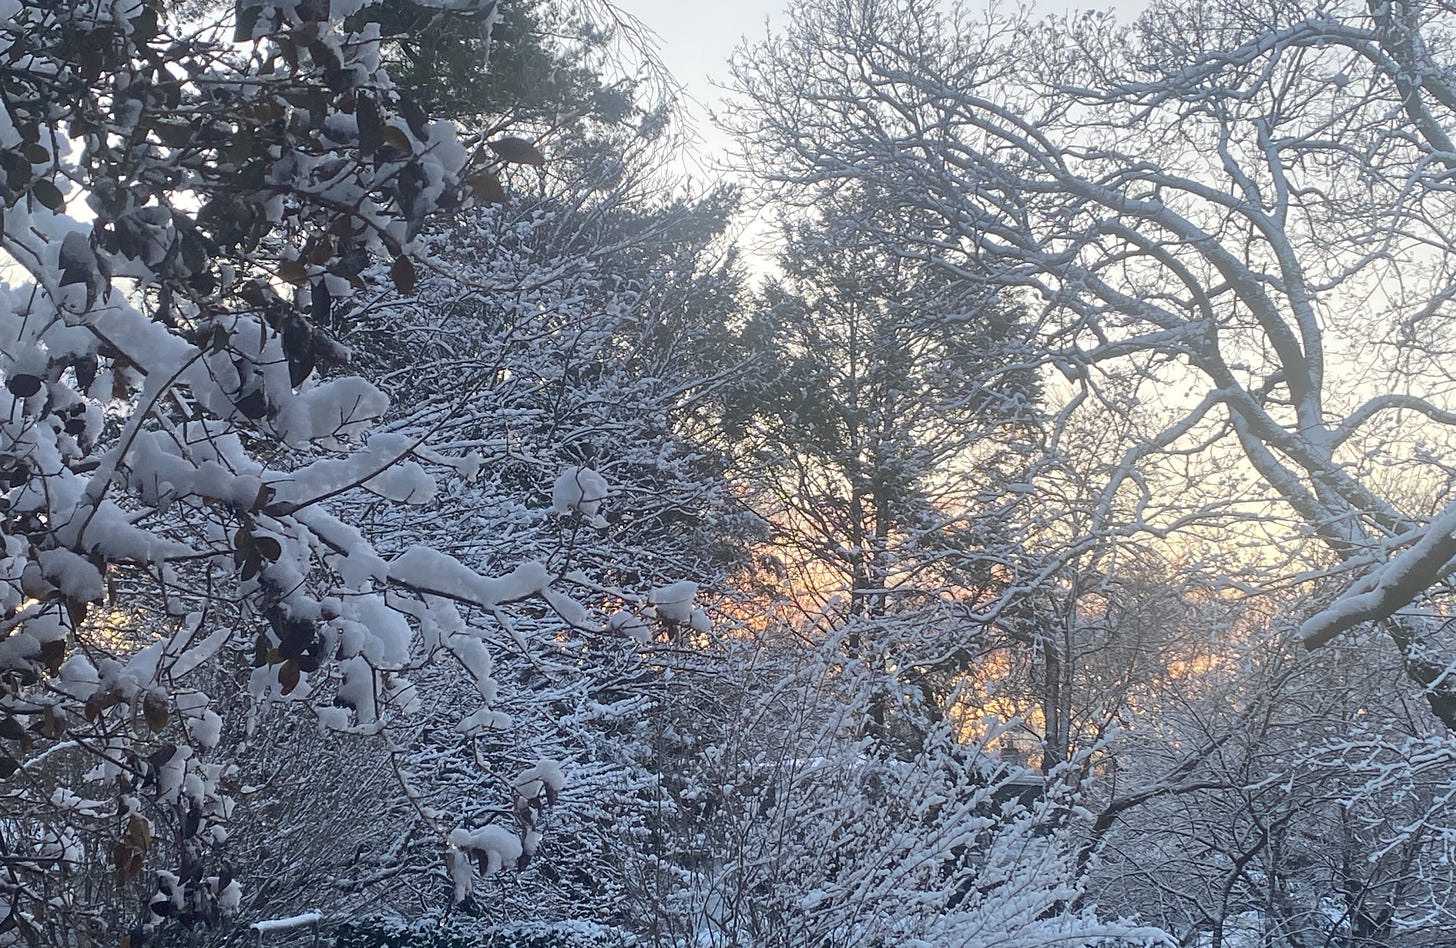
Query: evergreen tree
(887, 423)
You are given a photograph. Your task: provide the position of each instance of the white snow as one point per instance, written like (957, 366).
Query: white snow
(581, 491)
(75, 576)
(428, 570)
(485, 719)
(674, 602)
(629, 624)
(544, 773)
(501, 846)
(287, 924)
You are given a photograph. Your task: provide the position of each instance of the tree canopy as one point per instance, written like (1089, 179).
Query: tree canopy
(428, 519)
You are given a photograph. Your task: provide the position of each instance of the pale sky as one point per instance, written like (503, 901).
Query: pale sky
(697, 37)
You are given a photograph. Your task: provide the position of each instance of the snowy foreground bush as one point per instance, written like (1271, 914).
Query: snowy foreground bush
(186, 211)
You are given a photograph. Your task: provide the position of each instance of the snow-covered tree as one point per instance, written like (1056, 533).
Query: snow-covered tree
(1236, 228)
(1258, 792)
(187, 206)
(566, 367)
(880, 434)
(1231, 229)
(554, 359)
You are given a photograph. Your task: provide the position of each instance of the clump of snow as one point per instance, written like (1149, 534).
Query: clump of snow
(332, 412)
(204, 726)
(171, 774)
(288, 924)
(78, 677)
(460, 874)
(388, 636)
(382, 467)
(485, 719)
(580, 491)
(499, 847)
(567, 608)
(630, 625)
(544, 774)
(428, 570)
(493, 847)
(75, 576)
(231, 896)
(190, 656)
(674, 603)
(359, 688)
(473, 654)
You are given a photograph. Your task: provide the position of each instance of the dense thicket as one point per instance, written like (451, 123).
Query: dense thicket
(190, 208)
(420, 529)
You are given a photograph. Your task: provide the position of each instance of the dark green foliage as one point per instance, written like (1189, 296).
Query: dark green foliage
(459, 932)
(885, 399)
(537, 62)
(393, 934)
